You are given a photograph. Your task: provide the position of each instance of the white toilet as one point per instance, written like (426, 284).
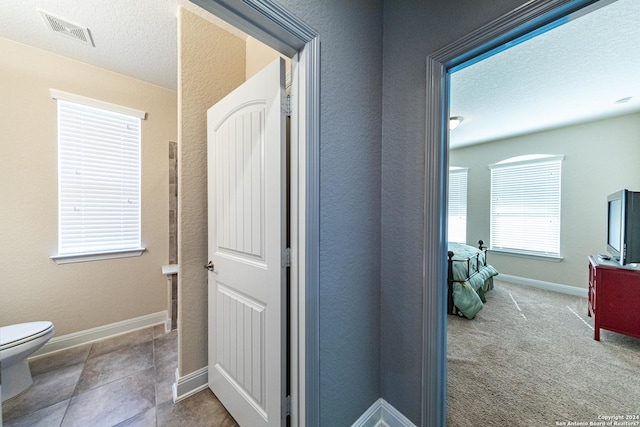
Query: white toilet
(17, 342)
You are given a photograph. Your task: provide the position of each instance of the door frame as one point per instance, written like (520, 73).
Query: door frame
(464, 51)
(278, 28)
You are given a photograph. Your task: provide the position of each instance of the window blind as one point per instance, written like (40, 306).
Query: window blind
(525, 205)
(457, 205)
(99, 179)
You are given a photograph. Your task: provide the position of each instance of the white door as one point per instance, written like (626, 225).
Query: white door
(246, 202)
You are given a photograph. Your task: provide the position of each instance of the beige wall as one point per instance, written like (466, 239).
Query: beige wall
(211, 63)
(83, 295)
(601, 157)
(259, 55)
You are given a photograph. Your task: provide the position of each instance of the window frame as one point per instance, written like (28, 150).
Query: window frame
(526, 167)
(63, 257)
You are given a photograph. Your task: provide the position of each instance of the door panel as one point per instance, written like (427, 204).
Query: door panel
(240, 335)
(239, 178)
(246, 186)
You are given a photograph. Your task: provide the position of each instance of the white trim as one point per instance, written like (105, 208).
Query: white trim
(519, 21)
(190, 384)
(264, 20)
(96, 256)
(530, 159)
(372, 417)
(458, 169)
(270, 23)
(305, 360)
(106, 331)
(434, 298)
(541, 284)
(512, 252)
(382, 414)
(96, 103)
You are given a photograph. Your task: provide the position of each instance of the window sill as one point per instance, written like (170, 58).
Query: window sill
(96, 256)
(551, 258)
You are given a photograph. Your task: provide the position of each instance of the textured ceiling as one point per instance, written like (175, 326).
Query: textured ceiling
(570, 74)
(137, 38)
(573, 73)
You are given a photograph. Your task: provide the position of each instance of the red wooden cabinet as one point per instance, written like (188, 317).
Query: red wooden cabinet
(614, 297)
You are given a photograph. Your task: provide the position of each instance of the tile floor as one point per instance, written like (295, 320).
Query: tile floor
(121, 381)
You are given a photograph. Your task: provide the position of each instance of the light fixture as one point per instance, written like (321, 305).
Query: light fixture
(454, 122)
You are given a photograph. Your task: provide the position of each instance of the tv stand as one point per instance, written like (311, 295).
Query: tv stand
(614, 297)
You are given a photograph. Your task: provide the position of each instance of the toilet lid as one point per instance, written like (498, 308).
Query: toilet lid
(10, 335)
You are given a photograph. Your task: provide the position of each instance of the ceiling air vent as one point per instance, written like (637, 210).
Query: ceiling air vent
(60, 26)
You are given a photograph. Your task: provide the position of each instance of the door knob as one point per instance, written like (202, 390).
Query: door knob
(209, 266)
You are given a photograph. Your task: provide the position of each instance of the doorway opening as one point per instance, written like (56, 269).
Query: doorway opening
(277, 28)
(530, 124)
(531, 16)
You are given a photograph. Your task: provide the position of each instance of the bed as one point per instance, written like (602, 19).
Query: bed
(469, 279)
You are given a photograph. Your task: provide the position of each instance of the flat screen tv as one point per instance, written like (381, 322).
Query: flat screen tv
(623, 233)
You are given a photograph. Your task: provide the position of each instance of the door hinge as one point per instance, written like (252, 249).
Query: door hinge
(286, 257)
(286, 106)
(287, 406)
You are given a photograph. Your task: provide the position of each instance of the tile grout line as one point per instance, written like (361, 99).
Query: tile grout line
(67, 414)
(155, 380)
(84, 365)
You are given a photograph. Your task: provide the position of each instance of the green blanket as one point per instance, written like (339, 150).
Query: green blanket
(468, 295)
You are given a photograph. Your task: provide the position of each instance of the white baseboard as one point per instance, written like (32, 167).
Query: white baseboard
(382, 414)
(106, 331)
(550, 286)
(190, 384)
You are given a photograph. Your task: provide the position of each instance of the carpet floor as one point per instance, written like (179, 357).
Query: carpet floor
(529, 359)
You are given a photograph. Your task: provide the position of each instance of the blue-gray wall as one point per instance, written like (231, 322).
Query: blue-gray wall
(350, 142)
(371, 191)
(413, 29)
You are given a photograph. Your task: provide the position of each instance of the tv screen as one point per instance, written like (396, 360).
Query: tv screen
(615, 224)
(623, 228)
